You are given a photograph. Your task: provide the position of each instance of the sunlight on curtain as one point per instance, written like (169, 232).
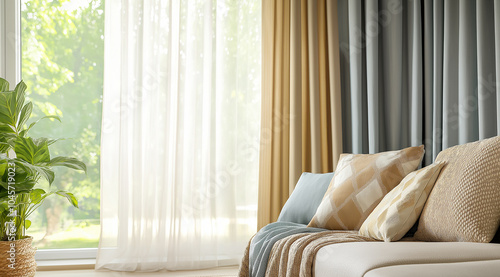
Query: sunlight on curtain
(180, 135)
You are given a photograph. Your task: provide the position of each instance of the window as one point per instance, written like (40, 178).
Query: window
(62, 65)
(56, 47)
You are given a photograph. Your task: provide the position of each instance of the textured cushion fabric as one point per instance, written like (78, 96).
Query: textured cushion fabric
(358, 258)
(401, 207)
(305, 198)
(465, 202)
(359, 183)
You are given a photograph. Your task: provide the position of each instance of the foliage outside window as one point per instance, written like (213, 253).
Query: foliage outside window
(62, 64)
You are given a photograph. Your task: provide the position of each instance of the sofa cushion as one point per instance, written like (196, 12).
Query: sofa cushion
(359, 183)
(302, 204)
(465, 202)
(400, 208)
(358, 258)
(489, 268)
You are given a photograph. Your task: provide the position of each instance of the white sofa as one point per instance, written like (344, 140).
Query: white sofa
(405, 258)
(464, 205)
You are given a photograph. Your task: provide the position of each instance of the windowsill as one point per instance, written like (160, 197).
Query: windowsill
(76, 264)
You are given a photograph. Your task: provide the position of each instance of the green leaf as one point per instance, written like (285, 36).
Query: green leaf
(34, 171)
(25, 115)
(37, 196)
(5, 128)
(6, 114)
(71, 198)
(27, 224)
(3, 167)
(18, 97)
(49, 142)
(33, 152)
(4, 85)
(45, 117)
(4, 147)
(4, 207)
(52, 117)
(52, 141)
(22, 184)
(68, 162)
(46, 173)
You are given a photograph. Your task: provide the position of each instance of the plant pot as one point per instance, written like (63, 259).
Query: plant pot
(17, 259)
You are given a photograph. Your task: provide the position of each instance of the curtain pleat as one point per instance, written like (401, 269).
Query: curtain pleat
(496, 16)
(313, 92)
(486, 69)
(296, 126)
(415, 86)
(372, 80)
(467, 73)
(435, 10)
(273, 173)
(424, 71)
(358, 121)
(334, 92)
(450, 75)
(345, 84)
(304, 73)
(392, 44)
(301, 106)
(324, 89)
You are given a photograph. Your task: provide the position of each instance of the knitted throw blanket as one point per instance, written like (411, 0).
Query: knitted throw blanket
(294, 255)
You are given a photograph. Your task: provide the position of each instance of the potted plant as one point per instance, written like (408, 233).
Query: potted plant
(24, 161)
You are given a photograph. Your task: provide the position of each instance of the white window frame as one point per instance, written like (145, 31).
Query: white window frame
(10, 69)
(10, 40)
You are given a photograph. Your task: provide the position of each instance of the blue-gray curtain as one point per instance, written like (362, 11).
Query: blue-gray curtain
(418, 72)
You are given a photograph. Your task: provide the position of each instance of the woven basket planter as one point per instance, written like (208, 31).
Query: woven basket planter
(23, 253)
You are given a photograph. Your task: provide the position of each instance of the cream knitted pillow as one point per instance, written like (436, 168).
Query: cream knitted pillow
(465, 202)
(359, 183)
(401, 207)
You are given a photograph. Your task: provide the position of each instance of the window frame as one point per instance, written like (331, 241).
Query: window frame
(10, 40)
(10, 69)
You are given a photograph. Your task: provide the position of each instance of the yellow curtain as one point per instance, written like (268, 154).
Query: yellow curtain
(301, 111)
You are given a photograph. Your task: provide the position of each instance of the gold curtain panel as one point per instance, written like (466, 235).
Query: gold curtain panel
(301, 101)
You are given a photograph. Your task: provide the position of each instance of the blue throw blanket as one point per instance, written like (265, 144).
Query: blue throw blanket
(263, 242)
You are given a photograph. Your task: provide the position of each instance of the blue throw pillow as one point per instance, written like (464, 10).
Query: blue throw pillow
(306, 197)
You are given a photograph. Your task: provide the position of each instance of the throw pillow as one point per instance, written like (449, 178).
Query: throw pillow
(401, 207)
(359, 183)
(302, 204)
(465, 202)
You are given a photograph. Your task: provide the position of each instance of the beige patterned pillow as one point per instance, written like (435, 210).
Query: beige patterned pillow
(401, 207)
(465, 202)
(359, 183)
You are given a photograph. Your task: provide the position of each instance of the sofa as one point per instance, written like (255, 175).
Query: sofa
(450, 229)
(374, 259)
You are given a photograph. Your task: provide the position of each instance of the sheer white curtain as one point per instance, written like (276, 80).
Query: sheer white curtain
(180, 133)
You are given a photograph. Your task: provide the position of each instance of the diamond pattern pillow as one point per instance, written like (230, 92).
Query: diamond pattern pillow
(359, 183)
(401, 207)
